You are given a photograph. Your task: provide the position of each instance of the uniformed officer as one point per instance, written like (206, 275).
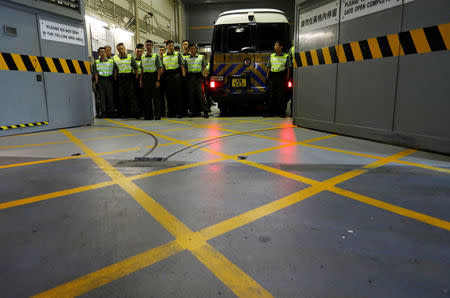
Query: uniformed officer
(110, 55)
(279, 71)
(138, 52)
(125, 73)
(173, 63)
(162, 89)
(103, 72)
(150, 81)
(196, 71)
(185, 52)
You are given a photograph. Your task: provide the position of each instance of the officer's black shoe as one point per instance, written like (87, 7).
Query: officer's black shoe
(157, 118)
(180, 116)
(267, 115)
(282, 115)
(205, 115)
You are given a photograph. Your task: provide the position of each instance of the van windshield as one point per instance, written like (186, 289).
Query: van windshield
(250, 37)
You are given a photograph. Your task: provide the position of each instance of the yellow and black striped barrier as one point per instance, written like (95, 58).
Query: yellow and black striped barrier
(20, 62)
(417, 41)
(22, 125)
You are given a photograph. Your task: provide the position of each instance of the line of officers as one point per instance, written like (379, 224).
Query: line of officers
(136, 86)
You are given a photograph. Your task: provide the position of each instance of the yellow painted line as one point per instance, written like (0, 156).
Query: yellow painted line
(40, 161)
(53, 195)
(50, 64)
(314, 57)
(90, 129)
(64, 65)
(240, 283)
(251, 133)
(341, 53)
(414, 164)
(326, 55)
(374, 48)
(113, 272)
(394, 43)
(303, 58)
(420, 41)
(445, 33)
(38, 144)
(342, 151)
(384, 161)
(393, 208)
(37, 66)
(257, 213)
(87, 65)
(112, 137)
(174, 169)
(356, 51)
(19, 63)
(3, 65)
(77, 67)
(175, 129)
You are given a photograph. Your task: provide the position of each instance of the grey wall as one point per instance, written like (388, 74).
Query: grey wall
(400, 100)
(206, 14)
(64, 100)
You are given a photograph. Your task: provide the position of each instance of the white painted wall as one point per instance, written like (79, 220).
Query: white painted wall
(163, 18)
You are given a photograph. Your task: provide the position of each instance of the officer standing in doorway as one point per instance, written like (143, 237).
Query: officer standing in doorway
(196, 72)
(110, 55)
(138, 52)
(125, 74)
(103, 72)
(173, 62)
(150, 81)
(278, 72)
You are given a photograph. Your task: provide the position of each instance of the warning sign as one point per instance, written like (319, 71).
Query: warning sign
(61, 33)
(351, 9)
(320, 17)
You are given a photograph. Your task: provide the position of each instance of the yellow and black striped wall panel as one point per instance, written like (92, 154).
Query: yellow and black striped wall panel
(18, 62)
(5, 127)
(417, 41)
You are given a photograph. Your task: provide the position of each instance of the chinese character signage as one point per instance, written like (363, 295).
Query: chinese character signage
(320, 17)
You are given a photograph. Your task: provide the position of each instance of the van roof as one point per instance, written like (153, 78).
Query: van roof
(261, 15)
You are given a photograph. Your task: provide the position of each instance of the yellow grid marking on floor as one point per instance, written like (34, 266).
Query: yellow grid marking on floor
(318, 185)
(233, 277)
(206, 252)
(393, 208)
(113, 272)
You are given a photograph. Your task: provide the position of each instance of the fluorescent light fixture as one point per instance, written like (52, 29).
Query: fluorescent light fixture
(121, 31)
(95, 21)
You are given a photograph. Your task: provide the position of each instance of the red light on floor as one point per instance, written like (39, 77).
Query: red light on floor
(212, 84)
(290, 84)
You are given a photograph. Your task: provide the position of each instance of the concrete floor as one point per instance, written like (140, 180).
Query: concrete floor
(285, 212)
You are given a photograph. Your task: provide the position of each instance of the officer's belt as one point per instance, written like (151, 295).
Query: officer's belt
(172, 71)
(104, 77)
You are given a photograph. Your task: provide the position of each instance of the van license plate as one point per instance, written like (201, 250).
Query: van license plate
(238, 82)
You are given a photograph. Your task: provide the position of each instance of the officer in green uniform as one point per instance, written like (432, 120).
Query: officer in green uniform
(279, 71)
(103, 72)
(162, 89)
(125, 73)
(139, 92)
(185, 52)
(196, 71)
(173, 62)
(150, 81)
